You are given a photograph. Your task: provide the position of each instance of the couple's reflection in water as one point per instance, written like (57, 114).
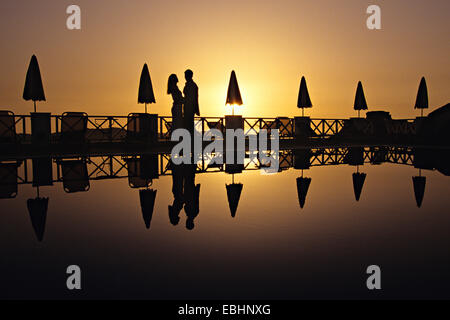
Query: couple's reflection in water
(186, 194)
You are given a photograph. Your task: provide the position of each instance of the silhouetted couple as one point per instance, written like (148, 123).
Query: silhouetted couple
(184, 107)
(186, 193)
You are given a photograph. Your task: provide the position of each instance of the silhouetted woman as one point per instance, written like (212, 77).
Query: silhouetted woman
(177, 96)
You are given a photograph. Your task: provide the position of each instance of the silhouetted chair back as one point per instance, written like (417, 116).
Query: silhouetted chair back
(75, 176)
(74, 126)
(7, 127)
(8, 180)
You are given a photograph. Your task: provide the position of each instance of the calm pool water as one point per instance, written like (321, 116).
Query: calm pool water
(271, 249)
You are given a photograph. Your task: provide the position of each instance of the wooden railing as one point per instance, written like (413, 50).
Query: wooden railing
(80, 127)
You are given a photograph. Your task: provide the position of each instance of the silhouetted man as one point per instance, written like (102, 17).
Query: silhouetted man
(190, 101)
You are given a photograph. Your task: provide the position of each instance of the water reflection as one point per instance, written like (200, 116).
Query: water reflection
(37, 208)
(178, 194)
(355, 157)
(191, 196)
(141, 172)
(75, 175)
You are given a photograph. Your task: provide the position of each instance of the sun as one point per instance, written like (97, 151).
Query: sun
(234, 109)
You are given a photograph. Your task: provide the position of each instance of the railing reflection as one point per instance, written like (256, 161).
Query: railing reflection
(76, 173)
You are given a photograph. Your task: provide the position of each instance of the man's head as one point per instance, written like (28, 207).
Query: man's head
(188, 74)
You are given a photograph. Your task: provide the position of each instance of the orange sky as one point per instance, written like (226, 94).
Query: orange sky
(270, 45)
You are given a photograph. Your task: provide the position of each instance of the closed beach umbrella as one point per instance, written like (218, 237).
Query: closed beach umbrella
(360, 99)
(358, 183)
(146, 94)
(303, 96)
(233, 94)
(302, 190)
(38, 213)
(419, 189)
(147, 198)
(234, 191)
(33, 89)
(422, 97)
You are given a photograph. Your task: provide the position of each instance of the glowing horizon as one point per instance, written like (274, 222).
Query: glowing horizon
(271, 45)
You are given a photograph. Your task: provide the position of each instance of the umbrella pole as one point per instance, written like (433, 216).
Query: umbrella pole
(38, 192)
(232, 107)
(359, 113)
(303, 112)
(145, 108)
(34, 106)
(421, 112)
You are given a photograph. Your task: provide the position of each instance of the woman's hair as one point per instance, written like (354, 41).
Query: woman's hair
(171, 84)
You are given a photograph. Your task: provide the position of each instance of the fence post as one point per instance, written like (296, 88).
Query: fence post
(24, 120)
(302, 127)
(110, 120)
(203, 126)
(56, 125)
(40, 127)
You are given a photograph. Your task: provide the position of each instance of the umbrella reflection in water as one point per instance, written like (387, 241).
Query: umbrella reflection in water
(234, 191)
(419, 183)
(37, 207)
(141, 172)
